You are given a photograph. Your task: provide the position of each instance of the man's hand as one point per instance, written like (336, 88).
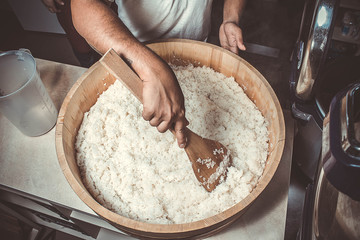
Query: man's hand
(51, 5)
(231, 38)
(163, 100)
(230, 34)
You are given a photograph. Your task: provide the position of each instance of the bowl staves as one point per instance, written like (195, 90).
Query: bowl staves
(86, 90)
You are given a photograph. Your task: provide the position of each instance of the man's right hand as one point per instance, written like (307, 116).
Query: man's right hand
(163, 99)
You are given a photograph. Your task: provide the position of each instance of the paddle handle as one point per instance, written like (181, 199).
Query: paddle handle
(118, 68)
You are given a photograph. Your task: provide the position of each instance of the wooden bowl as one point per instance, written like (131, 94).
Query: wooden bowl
(84, 94)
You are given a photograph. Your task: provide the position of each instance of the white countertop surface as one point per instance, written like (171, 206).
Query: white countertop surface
(29, 165)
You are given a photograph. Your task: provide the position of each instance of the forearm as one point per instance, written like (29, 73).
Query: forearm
(103, 30)
(233, 10)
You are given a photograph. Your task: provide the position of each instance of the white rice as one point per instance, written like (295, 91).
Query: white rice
(132, 169)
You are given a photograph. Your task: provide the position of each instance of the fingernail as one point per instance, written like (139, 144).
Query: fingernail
(182, 145)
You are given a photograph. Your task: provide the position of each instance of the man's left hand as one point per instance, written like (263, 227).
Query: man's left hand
(231, 37)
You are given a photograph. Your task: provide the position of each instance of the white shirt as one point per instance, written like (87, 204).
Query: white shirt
(154, 19)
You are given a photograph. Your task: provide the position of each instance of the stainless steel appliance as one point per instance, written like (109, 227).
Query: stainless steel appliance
(308, 62)
(332, 206)
(319, 72)
(317, 75)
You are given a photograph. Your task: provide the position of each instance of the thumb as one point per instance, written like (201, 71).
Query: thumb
(239, 40)
(180, 132)
(241, 46)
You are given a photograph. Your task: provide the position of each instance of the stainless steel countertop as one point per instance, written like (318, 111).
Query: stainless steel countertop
(30, 165)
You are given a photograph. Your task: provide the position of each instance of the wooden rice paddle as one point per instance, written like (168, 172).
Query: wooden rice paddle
(210, 159)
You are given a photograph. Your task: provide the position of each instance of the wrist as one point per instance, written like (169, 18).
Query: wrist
(141, 59)
(235, 20)
(233, 10)
(133, 52)
(230, 22)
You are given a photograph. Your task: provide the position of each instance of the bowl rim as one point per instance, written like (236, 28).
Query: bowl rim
(129, 225)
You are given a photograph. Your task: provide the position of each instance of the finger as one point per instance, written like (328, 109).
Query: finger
(241, 46)
(180, 132)
(163, 126)
(147, 114)
(224, 43)
(234, 49)
(239, 40)
(155, 121)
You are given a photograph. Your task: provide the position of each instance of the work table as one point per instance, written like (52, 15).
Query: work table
(29, 168)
